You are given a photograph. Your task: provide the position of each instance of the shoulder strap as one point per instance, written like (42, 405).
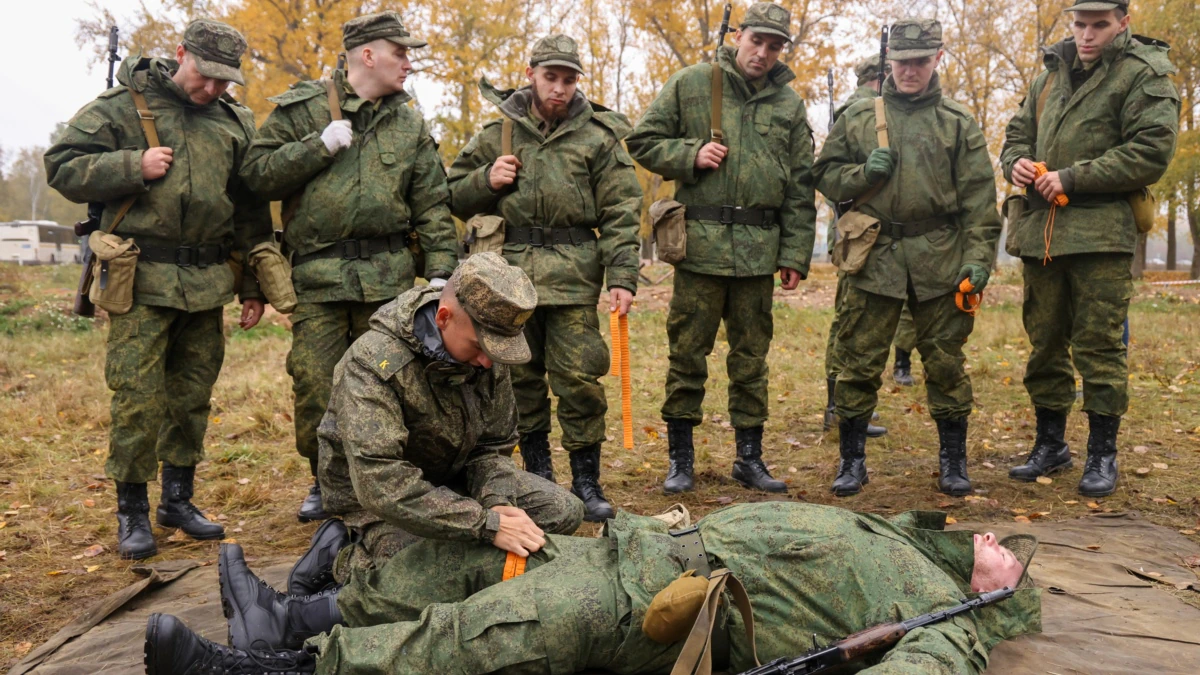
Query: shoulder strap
(881, 135)
(335, 104)
(506, 126)
(148, 128)
(1042, 96)
(696, 656)
(718, 86)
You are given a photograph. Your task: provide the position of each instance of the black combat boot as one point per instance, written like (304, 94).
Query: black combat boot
(312, 508)
(683, 457)
(830, 416)
(748, 468)
(535, 451)
(313, 572)
(172, 649)
(585, 484)
(261, 617)
(952, 457)
(176, 508)
(852, 467)
(902, 368)
(135, 540)
(1050, 452)
(1100, 470)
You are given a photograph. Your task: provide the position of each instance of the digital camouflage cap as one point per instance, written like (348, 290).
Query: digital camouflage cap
(556, 50)
(867, 70)
(217, 49)
(1097, 5)
(769, 18)
(914, 39)
(379, 26)
(499, 298)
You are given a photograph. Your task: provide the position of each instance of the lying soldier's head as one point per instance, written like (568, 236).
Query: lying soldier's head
(482, 312)
(996, 565)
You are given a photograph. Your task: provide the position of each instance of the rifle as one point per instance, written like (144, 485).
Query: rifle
(95, 210)
(829, 82)
(883, 44)
(718, 81)
(874, 639)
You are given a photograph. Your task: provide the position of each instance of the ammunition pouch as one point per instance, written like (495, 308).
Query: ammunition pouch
(1144, 206)
(485, 234)
(114, 265)
(669, 220)
(274, 275)
(857, 233)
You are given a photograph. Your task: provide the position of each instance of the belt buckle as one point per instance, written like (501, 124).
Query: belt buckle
(351, 249)
(537, 237)
(189, 256)
(896, 230)
(727, 212)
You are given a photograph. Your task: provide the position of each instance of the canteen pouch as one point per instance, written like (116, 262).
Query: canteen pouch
(1143, 205)
(114, 263)
(1013, 208)
(857, 233)
(669, 220)
(485, 234)
(274, 275)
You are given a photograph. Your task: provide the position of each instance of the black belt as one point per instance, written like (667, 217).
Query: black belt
(356, 249)
(913, 229)
(689, 547)
(548, 236)
(732, 215)
(183, 256)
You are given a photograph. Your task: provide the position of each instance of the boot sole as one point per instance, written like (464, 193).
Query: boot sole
(844, 493)
(1098, 494)
(880, 435)
(312, 519)
(149, 653)
(675, 492)
(955, 493)
(210, 537)
(1032, 479)
(139, 556)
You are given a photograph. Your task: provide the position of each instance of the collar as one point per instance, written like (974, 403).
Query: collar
(778, 76)
(352, 102)
(908, 102)
(426, 330)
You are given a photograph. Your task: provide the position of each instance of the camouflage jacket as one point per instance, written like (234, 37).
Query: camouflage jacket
(858, 95)
(812, 569)
(769, 166)
(943, 171)
(390, 180)
(1113, 135)
(404, 422)
(578, 176)
(200, 201)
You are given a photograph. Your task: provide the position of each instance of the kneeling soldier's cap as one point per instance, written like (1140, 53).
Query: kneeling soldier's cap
(378, 26)
(1097, 5)
(768, 18)
(217, 49)
(499, 298)
(914, 39)
(556, 50)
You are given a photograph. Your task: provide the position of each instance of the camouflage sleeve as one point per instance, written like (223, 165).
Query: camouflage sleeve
(618, 197)
(798, 221)
(469, 191)
(285, 154)
(1020, 136)
(839, 175)
(251, 215)
(940, 649)
(975, 185)
(92, 161)
(371, 423)
(1150, 124)
(429, 198)
(655, 142)
(490, 469)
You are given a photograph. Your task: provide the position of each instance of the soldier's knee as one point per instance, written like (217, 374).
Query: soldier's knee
(568, 515)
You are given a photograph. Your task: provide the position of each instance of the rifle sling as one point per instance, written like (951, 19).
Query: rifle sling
(718, 82)
(335, 104)
(1041, 99)
(696, 656)
(147, 119)
(881, 135)
(506, 131)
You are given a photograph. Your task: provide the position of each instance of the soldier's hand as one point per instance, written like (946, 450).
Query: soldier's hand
(1049, 185)
(518, 533)
(252, 311)
(337, 135)
(789, 278)
(504, 171)
(1023, 172)
(880, 164)
(978, 274)
(619, 299)
(156, 161)
(711, 156)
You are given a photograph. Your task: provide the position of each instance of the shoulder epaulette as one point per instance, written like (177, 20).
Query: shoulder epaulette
(1154, 54)
(301, 91)
(382, 354)
(957, 108)
(614, 122)
(109, 93)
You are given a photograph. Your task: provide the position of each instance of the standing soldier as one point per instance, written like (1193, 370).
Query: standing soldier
(190, 213)
(934, 195)
(358, 190)
(566, 177)
(1103, 118)
(749, 213)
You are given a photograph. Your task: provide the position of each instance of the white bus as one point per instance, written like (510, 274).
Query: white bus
(38, 242)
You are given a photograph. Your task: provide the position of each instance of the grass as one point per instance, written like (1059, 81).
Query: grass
(56, 501)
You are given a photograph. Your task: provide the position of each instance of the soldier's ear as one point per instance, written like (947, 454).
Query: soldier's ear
(443, 317)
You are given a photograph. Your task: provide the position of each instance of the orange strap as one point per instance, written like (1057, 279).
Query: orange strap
(618, 327)
(966, 300)
(514, 566)
(1039, 169)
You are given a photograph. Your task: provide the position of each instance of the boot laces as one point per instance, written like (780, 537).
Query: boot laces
(1095, 462)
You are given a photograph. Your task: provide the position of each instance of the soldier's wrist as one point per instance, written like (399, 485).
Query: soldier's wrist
(1067, 178)
(491, 526)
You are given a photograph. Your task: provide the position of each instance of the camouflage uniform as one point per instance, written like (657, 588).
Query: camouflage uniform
(581, 602)
(164, 355)
(728, 272)
(416, 444)
(948, 210)
(1109, 130)
(575, 180)
(356, 208)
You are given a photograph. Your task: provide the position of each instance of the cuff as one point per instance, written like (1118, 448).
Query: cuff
(491, 526)
(689, 172)
(1067, 178)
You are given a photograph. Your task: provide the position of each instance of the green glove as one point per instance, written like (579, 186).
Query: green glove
(880, 164)
(978, 274)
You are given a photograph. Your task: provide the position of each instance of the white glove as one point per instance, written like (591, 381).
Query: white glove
(337, 136)
(437, 283)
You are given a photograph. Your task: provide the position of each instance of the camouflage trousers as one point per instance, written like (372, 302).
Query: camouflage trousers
(569, 351)
(905, 339)
(552, 507)
(161, 364)
(1075, 310)
(441, 607)
(700, 303)
(321, 334)
(865, 333)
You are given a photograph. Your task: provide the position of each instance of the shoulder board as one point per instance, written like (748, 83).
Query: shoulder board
(855, 108)
(241, 113)
(382, 354)
(301, 91)
(1153, 53)
(109, 93)
(614, 122)
(957, 108)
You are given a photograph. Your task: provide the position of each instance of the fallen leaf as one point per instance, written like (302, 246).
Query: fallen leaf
(724, 500)
(792, 469)
(1142, 470)
(616, 464)
(55, 573)
(22, 648)
(1071, 502)
(1093, 547)
(1021, 519)
(1017, 512)
(1192, 561)
(91, 568)
(950, 520)
(3, 555)
(989, 465)
(89, 503)
(243, 481)
(1093, 505)
(1045, 480)
(178, 535)
(1159, 465)
(230, 540)
(3, 524)
(1141, 449)
(93, 550)
(945, 505)
(1187, 532)
(651, 432)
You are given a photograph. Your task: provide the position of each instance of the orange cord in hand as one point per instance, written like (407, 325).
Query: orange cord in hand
(618, 325)
(966, 300)
(1039, 170)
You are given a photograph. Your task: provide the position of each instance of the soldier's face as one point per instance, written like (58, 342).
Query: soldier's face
(995, 566)
(200, 89)
(387, 65)
(912, 76)
(1096, 30)
(553, 89)
(757, 53)
(458, 335)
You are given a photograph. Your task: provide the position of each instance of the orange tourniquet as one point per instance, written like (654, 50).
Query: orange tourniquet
(618, 325)
(966, 300)
(514, 566)
(1040, 169)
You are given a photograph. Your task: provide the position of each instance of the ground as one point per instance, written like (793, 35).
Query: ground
(58, 534)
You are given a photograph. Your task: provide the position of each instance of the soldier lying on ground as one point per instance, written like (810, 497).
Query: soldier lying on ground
(811, 572)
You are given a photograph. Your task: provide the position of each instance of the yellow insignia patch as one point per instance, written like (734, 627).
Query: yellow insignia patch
(383, 364)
